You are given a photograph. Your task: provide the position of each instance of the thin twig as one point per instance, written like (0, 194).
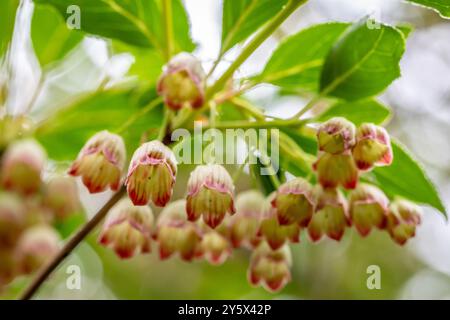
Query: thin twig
(77, 238)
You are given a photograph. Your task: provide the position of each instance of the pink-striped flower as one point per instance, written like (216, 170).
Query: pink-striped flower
(331, 216)
(368, 208)
(22, 166)
(336, 169)
(210, 194)
(151, 174)
(175, 234)
(128, 229)
(214, 247)
(182, 82)
(245, 224)
(403, 218)
(100, 162)
(336, 136)
(270, 268)
(36, 246)
(294, 202)
(272, 231)
(373, 147)
(61, 196)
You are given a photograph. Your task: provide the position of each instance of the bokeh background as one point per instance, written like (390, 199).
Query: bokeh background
(328, 270)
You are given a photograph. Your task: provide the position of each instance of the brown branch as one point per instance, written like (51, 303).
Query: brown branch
(77, 238)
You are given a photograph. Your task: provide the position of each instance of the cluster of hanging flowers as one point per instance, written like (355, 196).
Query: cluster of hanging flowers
(29, 208)
(211, 221)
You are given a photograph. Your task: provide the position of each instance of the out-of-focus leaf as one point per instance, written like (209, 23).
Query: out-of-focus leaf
(241, 18)
(137, 22)
(299, 59)
(147, 64)
(51, 37)
(65, 134)
(8, 10)
(406, 178)
(69, 225)
(363, 62)
(441, 6)
(358, 112)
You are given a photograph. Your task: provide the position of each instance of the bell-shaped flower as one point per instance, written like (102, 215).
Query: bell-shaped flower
(152, 174)
(100, 162)
(128, 229)
(210, 194)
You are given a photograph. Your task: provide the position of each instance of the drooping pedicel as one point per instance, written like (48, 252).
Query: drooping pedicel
(100, 162)
(152, 174)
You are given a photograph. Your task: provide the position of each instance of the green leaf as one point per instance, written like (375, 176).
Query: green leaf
(148, 63)
(405, 28)
(406, 178)
(241, 18)
(441, 6)
(8, 10)
(65, 134)
(51, 37)
(363, 62)
(298, 61)
(136, 22)
(358, 112)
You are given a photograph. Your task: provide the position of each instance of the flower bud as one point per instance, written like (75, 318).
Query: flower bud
(272, 231)
(210, 194)
(334, 170)
(22, 166)
(37, 212)
(336, 136)
(373, 147)
(128, 229)
(294, 202)
(330, 217)
(244, 225)
(214, 247)
(368, 208)
(151, 174)
(182, 82)
(100, 162)
(36, 246)
(175, 234)
(402, 220)
(270, 268)
(61, 196)
(12, 219)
